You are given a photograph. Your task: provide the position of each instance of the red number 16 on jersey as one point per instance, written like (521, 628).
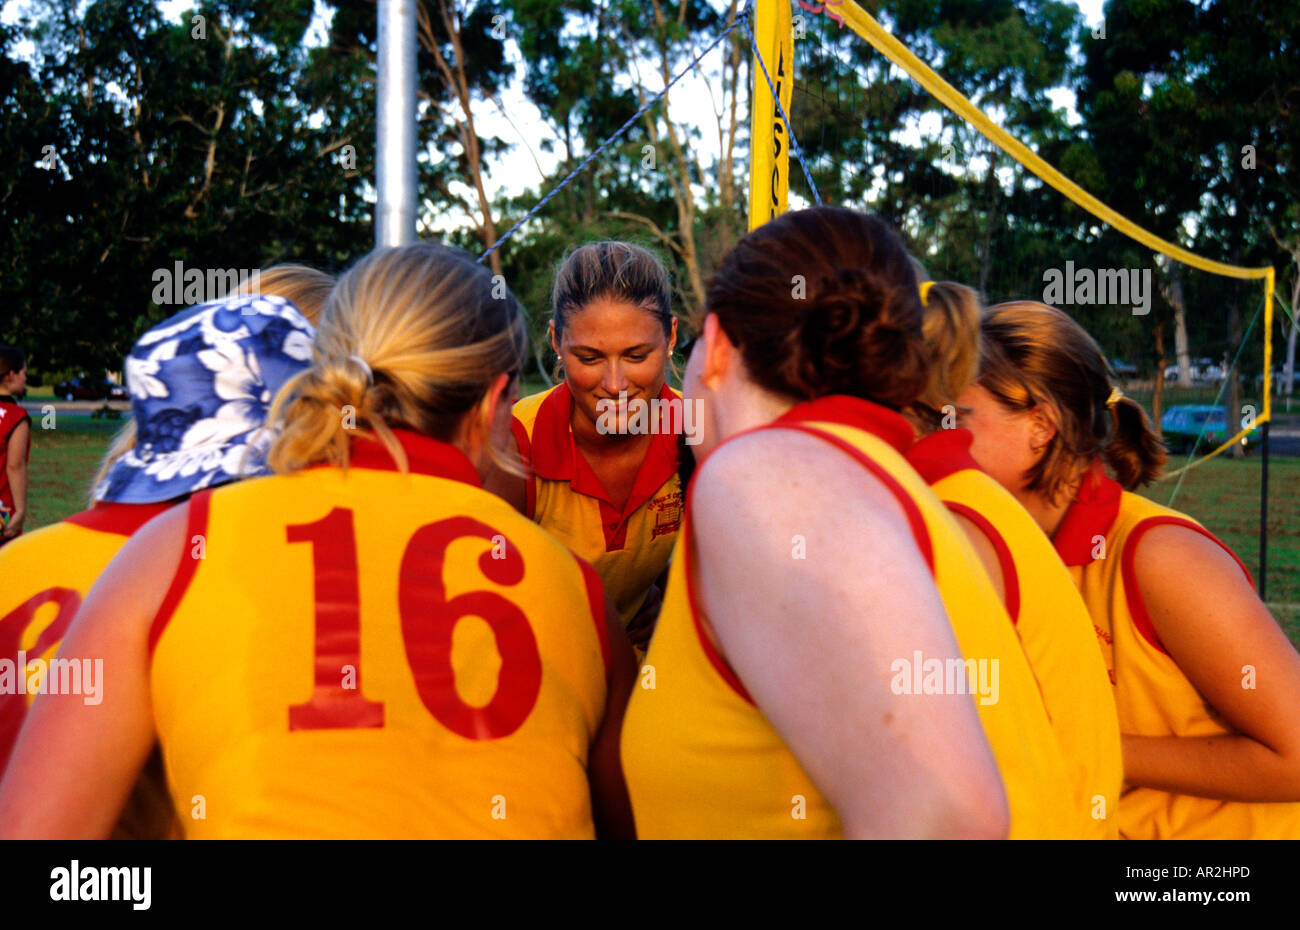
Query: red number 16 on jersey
(428, 620)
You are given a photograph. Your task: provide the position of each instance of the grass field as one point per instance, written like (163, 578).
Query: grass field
(64, 461)
(1222, 494)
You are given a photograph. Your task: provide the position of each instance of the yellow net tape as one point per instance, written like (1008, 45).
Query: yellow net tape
(861, 22)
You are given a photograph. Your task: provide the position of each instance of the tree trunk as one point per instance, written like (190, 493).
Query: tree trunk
(1172, 289)
(1232, 404)
(1288, 376)
(1158, 391)
(457, 82)
(990, 218)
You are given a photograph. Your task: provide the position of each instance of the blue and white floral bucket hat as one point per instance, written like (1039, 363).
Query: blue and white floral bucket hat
(201, 384)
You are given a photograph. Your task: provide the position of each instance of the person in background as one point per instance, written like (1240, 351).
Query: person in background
(603, 476)
(15, 443)
(1040, 597)
(1206, 683)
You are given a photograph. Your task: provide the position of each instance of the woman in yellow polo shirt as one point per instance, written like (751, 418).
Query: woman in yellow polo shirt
(1040, 597)
(366, 644)
(1206, 682)
(805, 680)
(602, 445)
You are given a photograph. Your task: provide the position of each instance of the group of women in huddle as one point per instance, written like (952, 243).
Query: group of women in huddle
(343, 582)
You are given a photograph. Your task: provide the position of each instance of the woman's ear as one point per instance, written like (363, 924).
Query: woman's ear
(718, 353)
(550, 332)
(1042, 426)
(477, 427)
(672, 337)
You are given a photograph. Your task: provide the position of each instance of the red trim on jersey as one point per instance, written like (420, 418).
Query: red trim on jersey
(596, 601)
(1091, 514)
(861, 414)
(120, 519)
(425, 455)
(914, 519)
(196, 525)
(1128, 568)
(526, 453)
(849, 411)
(716, 659)
(942, 453)
(1010, 578)
(556, 457)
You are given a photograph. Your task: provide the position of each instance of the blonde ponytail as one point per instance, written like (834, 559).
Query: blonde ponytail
(951, 327)
(411, 338)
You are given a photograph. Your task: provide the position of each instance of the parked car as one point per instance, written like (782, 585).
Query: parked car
(1182, 424)
(1205, 370)
(83, 388)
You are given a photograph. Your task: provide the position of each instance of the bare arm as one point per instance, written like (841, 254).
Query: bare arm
(812, 582)
(75, 762)
(1218, 631)
(16, 470)
(611, 806)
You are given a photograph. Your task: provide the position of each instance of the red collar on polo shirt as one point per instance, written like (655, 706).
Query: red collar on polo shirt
(880, 421)
(555, 457)
(122, 519)
(1091, 514)
(942, 453)
(426, 456)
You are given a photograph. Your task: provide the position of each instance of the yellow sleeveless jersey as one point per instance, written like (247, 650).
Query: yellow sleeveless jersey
(1052, 620)
(700, 758)
(630, 547)
(44, 575)
(376, 654)
(1098, 539)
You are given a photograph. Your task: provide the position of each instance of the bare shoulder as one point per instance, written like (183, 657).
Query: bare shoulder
(787, 471)
(146, 565)
(1168, 554)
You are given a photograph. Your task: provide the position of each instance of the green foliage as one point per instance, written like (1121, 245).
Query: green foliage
(212, 151)
(228, 151)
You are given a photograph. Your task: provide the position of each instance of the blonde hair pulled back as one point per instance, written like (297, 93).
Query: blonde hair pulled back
(412, 338)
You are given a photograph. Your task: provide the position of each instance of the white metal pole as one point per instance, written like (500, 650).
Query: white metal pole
(395, 132)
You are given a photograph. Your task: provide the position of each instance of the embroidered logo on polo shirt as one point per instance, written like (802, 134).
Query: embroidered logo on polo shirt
(668, 514)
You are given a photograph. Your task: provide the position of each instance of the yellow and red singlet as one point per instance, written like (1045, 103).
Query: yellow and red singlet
(1098, 540)
(367, 653)
(1052, 620)
(46, 574)
(629, 547)
(12, 415)
(700, 758)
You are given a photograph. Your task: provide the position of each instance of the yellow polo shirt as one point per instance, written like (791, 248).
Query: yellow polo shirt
(629, 547)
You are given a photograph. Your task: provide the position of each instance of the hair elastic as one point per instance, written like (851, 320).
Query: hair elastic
(925, 290)
(370, 375)
(1115, 395)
